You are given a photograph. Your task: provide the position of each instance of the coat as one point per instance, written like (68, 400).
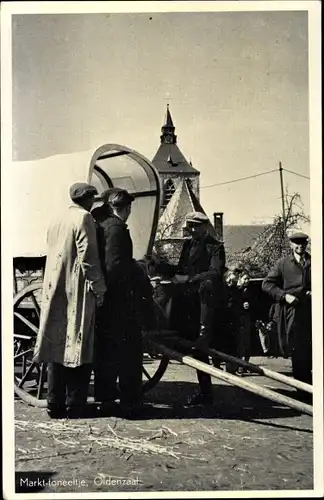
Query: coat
(202, 260)
(127, 284)
(72, 279)
(196, 303)
(294, 321)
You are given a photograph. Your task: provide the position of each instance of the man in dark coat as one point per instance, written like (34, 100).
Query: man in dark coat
(118, 353)
(289, 283)
(201, 268)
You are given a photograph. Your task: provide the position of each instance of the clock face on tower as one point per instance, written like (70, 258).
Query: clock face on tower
(168, 139)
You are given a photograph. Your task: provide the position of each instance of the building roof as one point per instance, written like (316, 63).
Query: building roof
(168, 158)
(182, 201)
(242, 238)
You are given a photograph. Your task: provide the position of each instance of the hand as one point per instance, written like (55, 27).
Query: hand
(290, 299)
(269, 326)
(246, 305)
(308, 293)
(180, 279)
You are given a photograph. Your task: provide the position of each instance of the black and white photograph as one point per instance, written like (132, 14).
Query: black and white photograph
(161, 249)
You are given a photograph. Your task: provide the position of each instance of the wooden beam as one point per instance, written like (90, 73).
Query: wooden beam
(234, 380)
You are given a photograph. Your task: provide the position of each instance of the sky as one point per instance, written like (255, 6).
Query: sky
(236, 82)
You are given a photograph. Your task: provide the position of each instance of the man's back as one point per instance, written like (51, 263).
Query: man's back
(70, 234)
(115, 249)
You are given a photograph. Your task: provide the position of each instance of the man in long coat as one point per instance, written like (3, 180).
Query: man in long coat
(118, 339)
(73, 281)
(202, 266)
(289, 284)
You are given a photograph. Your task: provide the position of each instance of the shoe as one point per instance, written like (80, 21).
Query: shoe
(56, 412)
(230, 368)
(240, 371)
(107, 408)
(200, 399)
(73, 412)
(131, 411)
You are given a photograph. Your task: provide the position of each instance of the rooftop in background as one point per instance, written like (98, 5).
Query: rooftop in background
(241, 238)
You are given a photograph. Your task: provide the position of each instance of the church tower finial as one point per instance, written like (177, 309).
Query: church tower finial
(168, 136)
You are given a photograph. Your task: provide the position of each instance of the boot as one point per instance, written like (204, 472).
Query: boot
(200, 399)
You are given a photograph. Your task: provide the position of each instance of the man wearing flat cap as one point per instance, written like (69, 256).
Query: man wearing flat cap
(201, 266)
(73, 284)
(118, 338)
(289, 284)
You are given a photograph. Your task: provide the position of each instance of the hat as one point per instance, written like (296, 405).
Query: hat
(197, 218)
(80, 190)
(117, 197)
(298, 236)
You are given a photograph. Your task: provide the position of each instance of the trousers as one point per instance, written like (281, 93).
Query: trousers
(202, 312)
(119, 360)
(67, 386)
(244, 337)
(299, 334)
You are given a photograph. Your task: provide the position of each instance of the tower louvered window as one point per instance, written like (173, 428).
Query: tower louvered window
(169, 189)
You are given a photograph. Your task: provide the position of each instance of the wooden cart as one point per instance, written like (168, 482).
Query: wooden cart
(109, 165)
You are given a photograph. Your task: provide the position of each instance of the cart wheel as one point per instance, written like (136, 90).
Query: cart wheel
(30, 378)
(153, 375)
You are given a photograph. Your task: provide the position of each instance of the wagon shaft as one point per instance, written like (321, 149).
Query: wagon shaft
(232, 379)
(254, 368)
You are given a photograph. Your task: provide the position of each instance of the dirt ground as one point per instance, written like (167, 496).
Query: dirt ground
(244, 442)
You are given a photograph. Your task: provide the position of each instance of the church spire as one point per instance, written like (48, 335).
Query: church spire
(168, 136)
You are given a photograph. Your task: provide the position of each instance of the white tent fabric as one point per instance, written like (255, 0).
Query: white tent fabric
(40, 190)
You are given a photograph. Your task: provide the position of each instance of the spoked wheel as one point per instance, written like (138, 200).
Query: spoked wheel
(154, 369)
(30, 378)
(152, 374)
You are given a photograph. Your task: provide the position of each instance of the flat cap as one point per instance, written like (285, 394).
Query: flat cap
(117, 197)
(197, 218)
(298, 236)
(80, 190)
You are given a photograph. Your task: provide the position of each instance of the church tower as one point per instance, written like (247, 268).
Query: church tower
(171, 165)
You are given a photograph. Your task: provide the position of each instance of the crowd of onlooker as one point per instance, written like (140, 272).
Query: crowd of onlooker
(248, 323)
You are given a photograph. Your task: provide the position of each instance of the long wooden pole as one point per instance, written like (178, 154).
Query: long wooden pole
(234, 380)
(250, 366)
(282, 198)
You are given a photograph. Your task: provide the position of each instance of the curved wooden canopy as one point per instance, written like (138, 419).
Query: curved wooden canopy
(41, 190)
